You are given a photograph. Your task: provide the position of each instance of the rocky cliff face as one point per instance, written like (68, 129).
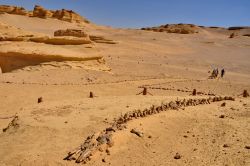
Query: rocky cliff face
(39, 11)
(13, 10)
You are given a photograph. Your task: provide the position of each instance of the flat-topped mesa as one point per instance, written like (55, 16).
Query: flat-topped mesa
(13, 10)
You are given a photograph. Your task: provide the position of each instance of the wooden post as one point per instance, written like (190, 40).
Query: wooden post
(39, 100)
(245, 93)
(144, 92)
(194, 92)
(91, 95)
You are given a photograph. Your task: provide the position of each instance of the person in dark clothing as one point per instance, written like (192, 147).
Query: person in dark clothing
(222, 73)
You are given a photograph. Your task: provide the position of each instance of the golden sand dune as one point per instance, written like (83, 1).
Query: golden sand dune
(120, 99)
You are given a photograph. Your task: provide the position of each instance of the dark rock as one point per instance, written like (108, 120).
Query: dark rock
(108, 151)
(223, 104)
(245, 93)
(138, 133)
(247, 147)
(39, 100)
(222, 116)
(177, 156)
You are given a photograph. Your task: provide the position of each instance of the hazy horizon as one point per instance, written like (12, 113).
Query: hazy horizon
(144, 13)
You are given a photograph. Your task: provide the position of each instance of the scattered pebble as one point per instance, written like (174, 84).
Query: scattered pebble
(100, 149)
(225, 146)
(223, 104)
(103, 160)
(247, 147)
(185, 136)
(108, 151)
(138, 133)
(222, 116)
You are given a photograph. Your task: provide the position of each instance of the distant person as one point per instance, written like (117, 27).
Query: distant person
(222, 73)
(216, 73)
(213, 74)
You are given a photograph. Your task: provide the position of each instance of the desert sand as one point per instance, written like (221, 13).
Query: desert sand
(116, 64)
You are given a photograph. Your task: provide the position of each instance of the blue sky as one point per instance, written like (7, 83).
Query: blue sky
(143, 13)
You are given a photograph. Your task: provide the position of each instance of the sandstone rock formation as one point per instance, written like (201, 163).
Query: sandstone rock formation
(82, 34)
(41, 12)
(100, 39)
(6, 8)
(13, 10)
(69, 16)
(71, 32)
(61, 40)
(175, 28)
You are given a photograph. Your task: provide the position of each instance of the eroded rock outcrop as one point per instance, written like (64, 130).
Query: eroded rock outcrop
(82, 34)
(71, 32)
(6, 9)
(69, 16)
(61, 40)
(13, 10)
(175, 28)
(101, 39)
(40, 12)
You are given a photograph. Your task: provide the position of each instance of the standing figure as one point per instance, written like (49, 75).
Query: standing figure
(222, 73)
(217, 73)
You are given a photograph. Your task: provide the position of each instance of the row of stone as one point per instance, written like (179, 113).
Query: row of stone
(103, 140)
(173, 105)
(181, 90)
